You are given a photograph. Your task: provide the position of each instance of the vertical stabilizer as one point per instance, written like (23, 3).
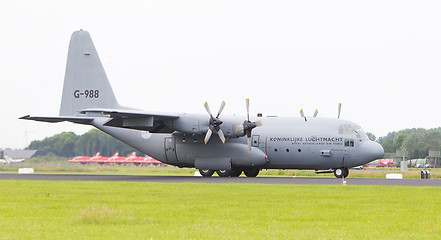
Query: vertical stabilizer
(85, 82)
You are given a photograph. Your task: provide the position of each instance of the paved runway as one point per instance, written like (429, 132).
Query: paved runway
(257, 180)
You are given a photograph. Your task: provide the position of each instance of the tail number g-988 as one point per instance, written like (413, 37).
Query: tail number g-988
(87, 93)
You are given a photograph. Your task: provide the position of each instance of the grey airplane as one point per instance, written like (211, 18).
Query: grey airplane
(243, 144)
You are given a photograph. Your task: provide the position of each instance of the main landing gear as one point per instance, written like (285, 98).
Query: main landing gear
(341, 172)
(234, 172)
(206, 172)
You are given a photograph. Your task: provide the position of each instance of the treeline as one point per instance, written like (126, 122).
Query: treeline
(417, 141)
(68, 144)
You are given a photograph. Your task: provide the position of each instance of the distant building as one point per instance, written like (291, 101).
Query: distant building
(433, 159)
(17, 154)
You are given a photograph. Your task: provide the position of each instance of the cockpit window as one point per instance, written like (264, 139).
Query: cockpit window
(349, 142)
(345, 129)
(360, 133)
(348, 129)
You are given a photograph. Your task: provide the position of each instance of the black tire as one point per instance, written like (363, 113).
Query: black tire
(235, 172)
(341, 172)
(251, 172)
(223, 173)
(345, 172)
(206, 172)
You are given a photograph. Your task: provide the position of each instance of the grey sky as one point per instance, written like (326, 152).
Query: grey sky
(381, 59)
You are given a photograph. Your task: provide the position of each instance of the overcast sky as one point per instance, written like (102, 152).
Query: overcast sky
(380, 59)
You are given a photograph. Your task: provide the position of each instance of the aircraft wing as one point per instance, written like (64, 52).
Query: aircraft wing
(130, 113)
(154, 122)
(80, 120)
(123, 118)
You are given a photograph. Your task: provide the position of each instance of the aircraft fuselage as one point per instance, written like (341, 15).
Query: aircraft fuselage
(281, 143)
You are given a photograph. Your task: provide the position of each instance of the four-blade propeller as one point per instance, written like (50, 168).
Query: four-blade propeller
(248, 126)
(215, 123)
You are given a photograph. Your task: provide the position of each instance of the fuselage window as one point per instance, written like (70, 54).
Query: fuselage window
(349, 142)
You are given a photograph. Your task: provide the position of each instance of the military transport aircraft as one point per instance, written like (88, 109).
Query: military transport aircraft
(184, 140)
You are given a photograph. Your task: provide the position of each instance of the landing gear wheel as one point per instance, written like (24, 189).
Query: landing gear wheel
(206, 172)
(235, 172)
(341, 172)
(251, 172)
(345, 172)
(223, 173)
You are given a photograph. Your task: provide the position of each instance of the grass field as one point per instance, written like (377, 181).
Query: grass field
(118, 210)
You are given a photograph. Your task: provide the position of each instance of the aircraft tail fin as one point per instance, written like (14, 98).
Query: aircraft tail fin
(85, 82)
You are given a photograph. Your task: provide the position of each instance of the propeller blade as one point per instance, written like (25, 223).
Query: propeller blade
(301, 113)
(207, 108)
(249, 144)
(221, 135)
(208, 135)
(221, 108)
(315, 113)
(339, 110)
(248, 109)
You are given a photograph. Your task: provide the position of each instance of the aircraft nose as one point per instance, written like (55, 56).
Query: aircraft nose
(373, 150)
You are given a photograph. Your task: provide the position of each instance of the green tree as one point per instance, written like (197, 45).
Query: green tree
(389, 146)
(398, 141)
(415, 145)
(67, 144)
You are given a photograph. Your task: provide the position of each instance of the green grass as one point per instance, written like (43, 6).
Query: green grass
(118, 210)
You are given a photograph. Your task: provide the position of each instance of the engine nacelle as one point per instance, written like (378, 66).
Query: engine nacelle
(192, 124)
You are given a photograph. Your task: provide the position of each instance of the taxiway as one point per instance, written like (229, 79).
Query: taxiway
(257, 180)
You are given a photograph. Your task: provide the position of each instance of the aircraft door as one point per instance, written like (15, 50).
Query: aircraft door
(170, 149)
(349, 150)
